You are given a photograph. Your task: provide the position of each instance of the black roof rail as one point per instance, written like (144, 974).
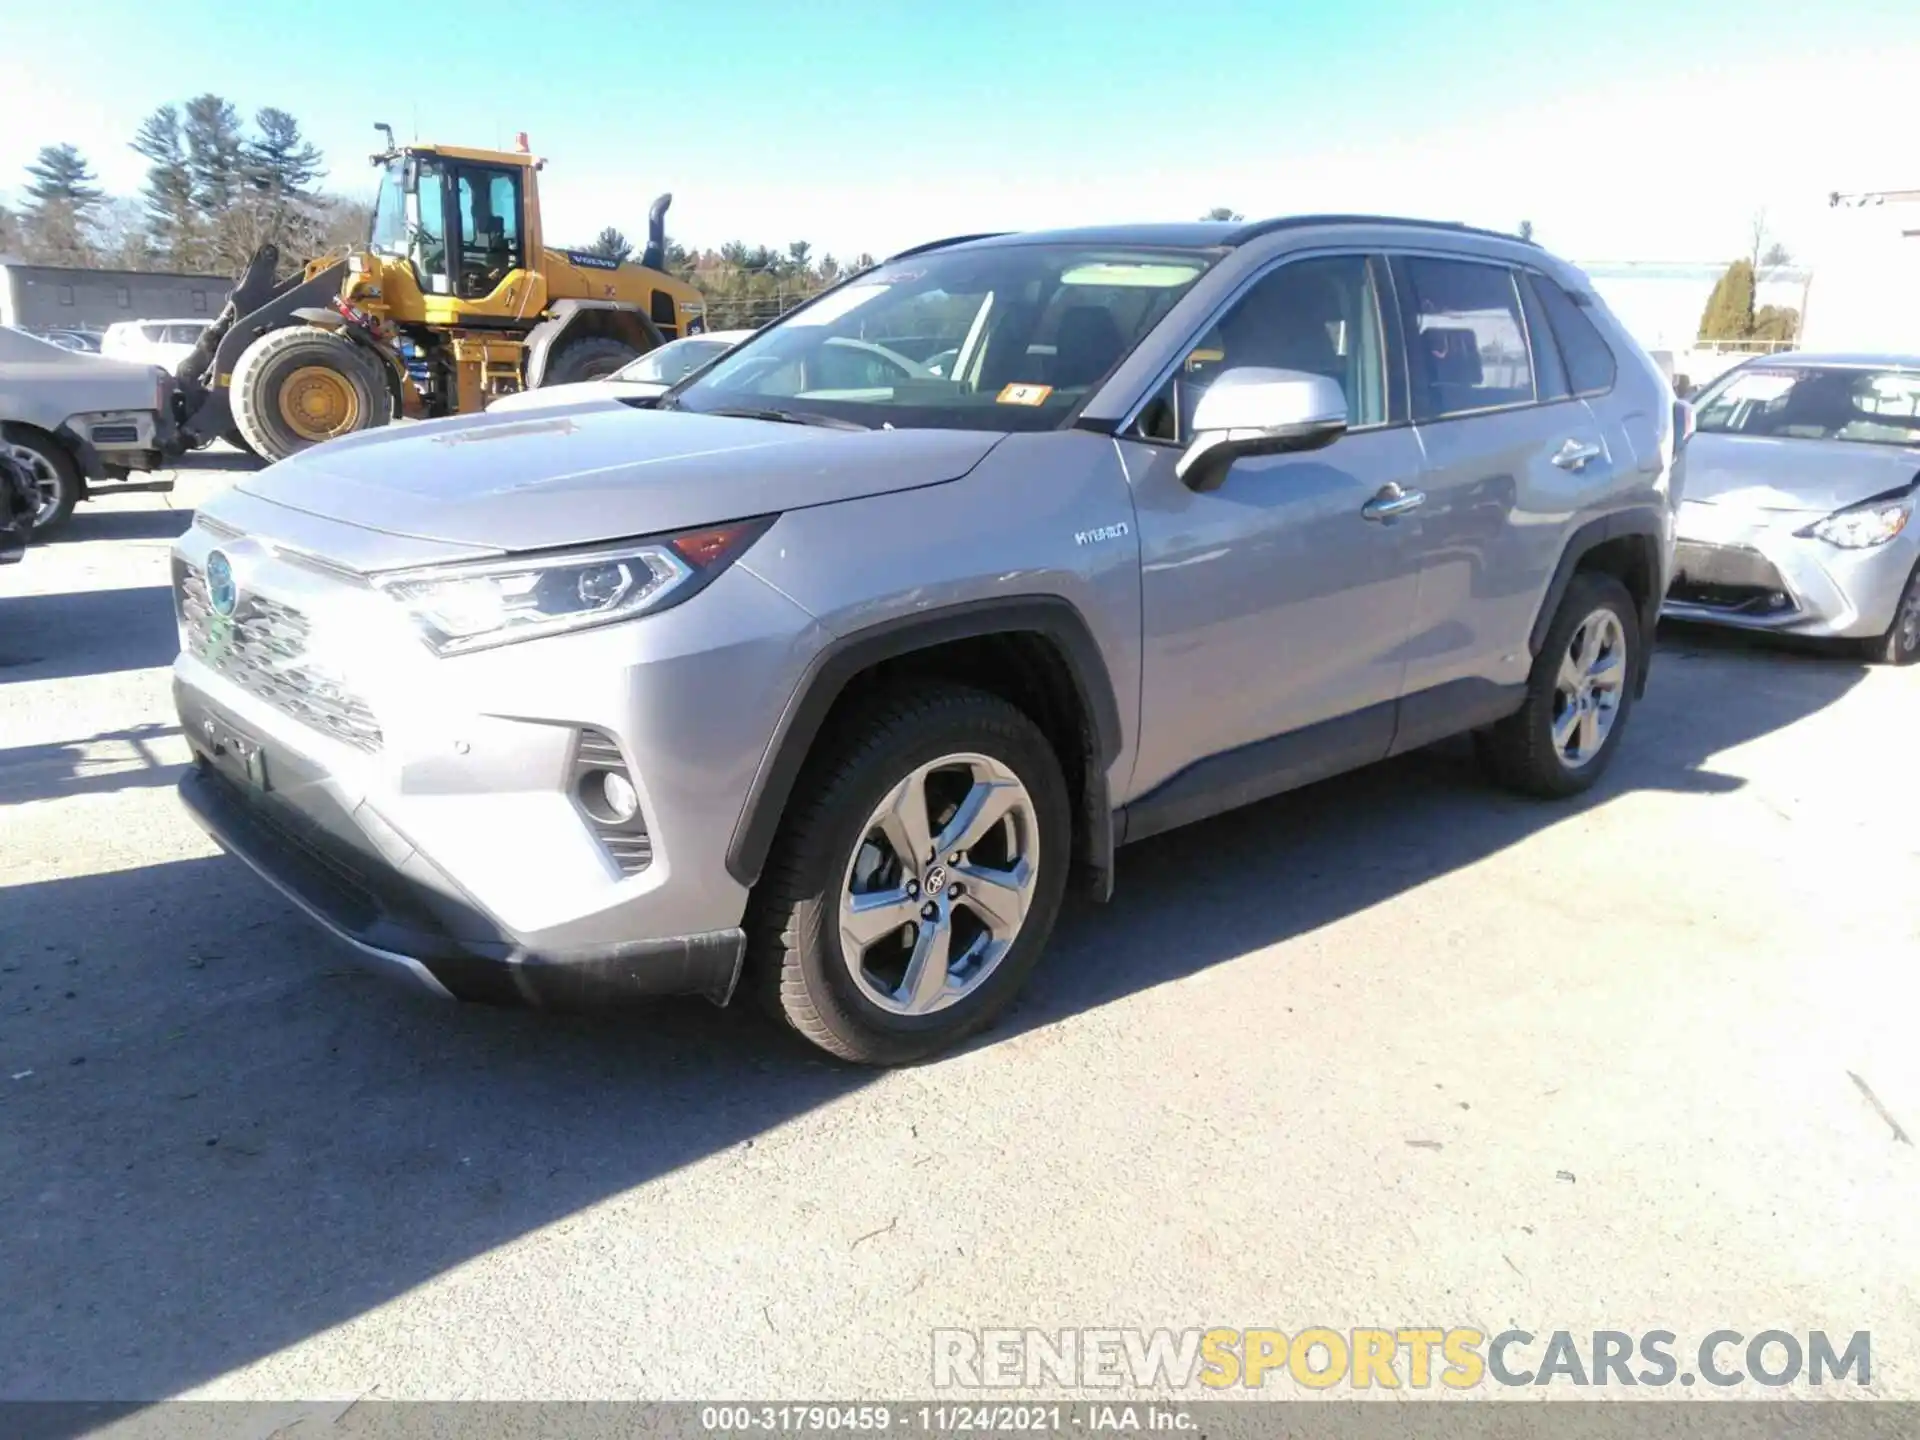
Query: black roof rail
(1296, 222)
(942, 244)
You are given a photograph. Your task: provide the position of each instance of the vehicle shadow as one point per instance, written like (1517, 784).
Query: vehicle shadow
(112, 760)
(221, 1138)
(1335, 849)
(86, 632)
(90, 522)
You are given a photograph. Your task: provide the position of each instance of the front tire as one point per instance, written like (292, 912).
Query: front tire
(1901, 644)
(294, 388)
(1579, 695)
(916, 877)
(56, 480)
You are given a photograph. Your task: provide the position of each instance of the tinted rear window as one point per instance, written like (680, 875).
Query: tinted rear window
(1590, 364)
(1467, 341)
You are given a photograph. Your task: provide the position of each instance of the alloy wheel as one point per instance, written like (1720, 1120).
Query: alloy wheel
(1907, 622)
(1589, 687)
(46, 483)
(939, 884)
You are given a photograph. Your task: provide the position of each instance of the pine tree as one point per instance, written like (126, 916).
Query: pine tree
(280, 161)
(56, 228)
(60, 175)
(610, 244)
(1729, 312)
(169, 189)
(215, 153)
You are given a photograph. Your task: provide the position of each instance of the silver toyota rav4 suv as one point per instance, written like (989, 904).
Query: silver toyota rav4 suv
(828, 672)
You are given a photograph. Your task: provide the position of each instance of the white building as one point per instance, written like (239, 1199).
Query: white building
(1866, 289)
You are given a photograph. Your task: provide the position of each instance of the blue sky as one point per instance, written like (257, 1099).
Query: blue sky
(1631, 129)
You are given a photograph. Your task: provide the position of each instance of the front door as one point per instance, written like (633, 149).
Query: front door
(1275, 610)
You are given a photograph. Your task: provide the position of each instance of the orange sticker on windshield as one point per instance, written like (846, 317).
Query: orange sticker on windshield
(1024, 395)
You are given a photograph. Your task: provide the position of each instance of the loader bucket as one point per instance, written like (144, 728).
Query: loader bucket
(258, 306)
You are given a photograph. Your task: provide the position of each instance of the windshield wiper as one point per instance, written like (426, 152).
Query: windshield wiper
(787, 417)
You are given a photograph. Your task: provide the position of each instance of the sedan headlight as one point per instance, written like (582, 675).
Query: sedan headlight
(474, 605)
(1871, 522)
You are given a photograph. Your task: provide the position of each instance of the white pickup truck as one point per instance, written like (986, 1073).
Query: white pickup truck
(81, 424)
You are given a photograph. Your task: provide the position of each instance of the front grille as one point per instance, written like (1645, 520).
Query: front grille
(1729, 577)
(262, 648)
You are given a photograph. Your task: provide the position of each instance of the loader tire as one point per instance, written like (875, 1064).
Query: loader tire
(591, 357)
(296, 387)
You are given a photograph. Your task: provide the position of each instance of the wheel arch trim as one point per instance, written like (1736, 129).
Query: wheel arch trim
(565, 316)
(847, 657)
(1643, 523)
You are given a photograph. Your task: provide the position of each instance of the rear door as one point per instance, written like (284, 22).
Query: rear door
(1511, 455)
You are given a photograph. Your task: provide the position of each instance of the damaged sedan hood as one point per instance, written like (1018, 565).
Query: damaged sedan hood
(598, 472)
(1759, 472)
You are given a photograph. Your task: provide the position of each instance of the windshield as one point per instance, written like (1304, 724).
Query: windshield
(673, 361)
(1006, 337)
(1873, 407)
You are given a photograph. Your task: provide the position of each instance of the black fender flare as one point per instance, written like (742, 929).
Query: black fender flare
(1645, 524)
(562, 317)
(828, 674)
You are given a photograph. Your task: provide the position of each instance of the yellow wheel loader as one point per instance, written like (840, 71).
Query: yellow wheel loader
(454, 299)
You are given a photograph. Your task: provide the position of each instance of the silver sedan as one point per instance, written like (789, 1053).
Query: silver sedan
(1797, 513)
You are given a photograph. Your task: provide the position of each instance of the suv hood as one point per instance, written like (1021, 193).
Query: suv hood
(593, 473)
(1758, 472)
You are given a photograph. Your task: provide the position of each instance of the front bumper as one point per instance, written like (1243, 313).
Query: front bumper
(426, 810)
(410, 921)
(1751, 570)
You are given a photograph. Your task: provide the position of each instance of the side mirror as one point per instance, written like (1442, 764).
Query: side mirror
(1256, 411)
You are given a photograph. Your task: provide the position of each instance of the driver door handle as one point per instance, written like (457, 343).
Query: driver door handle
(1391, 501)
(1575, 454)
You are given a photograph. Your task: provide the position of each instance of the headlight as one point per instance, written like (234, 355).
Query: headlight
(1862, 526)
(471, 606)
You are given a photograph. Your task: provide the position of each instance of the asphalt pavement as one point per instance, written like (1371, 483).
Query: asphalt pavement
(1396, 1050)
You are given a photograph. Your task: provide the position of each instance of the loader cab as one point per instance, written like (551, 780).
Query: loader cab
(460, 223)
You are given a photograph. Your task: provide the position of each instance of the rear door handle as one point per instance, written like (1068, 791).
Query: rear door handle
(1575, 454)
(1391, 501)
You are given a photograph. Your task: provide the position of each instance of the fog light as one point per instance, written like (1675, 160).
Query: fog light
(604, 789)
(618, 802)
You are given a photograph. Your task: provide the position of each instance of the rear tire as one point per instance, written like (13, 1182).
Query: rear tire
(55, 477)
(1555, 746)
(296, 387)
(1901, 644)
(591, 357)
(974, 928)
